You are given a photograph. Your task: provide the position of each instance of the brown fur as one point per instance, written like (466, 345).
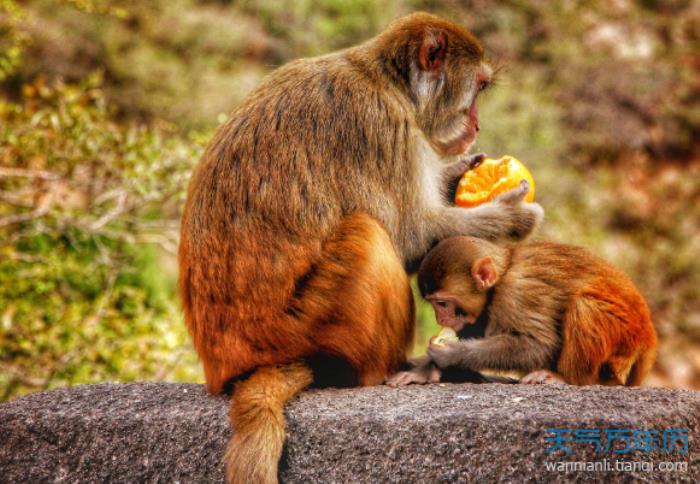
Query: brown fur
(553, 307)
(326, 182)
(258, 419)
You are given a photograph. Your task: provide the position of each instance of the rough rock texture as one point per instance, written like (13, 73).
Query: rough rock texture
(158, 432)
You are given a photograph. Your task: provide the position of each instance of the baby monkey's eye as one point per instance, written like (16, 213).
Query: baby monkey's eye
(483, 85)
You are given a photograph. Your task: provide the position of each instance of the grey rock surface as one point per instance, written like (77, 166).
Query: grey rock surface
(159, 432)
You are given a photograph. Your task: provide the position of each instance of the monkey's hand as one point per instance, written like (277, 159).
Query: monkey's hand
(506, 216)
(454, 172)
(420, 375)
(523, 216)
(449, 354)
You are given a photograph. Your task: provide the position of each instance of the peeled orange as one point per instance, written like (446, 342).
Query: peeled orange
(491, 178)
(445, 335)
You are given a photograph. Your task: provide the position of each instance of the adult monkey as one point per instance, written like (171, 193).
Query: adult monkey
(307, 207)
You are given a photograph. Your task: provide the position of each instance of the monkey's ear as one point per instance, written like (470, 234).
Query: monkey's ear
(431, 55)
(484, 273)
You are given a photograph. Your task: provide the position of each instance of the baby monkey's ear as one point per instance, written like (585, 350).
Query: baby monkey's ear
(484, 273)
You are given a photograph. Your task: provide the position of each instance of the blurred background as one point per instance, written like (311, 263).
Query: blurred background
(106, 105)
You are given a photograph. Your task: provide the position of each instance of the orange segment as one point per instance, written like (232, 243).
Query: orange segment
(490, 179)
(445, 335)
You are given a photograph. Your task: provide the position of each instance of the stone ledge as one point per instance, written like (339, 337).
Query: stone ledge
(160, 432)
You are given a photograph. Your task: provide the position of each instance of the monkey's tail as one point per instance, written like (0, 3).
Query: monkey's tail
(257, 419)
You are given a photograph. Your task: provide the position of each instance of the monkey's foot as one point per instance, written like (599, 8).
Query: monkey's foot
(419, 376)
(542, 376)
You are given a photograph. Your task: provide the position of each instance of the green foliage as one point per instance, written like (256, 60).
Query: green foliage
(316, 27)
(86, 219)
(11, 39)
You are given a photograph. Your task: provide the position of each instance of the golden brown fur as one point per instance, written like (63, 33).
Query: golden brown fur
(325, 184)
(546, 306)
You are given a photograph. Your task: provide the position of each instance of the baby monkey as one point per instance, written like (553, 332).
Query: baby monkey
(554, 312)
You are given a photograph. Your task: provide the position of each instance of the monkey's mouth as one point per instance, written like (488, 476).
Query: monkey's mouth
(464, 134)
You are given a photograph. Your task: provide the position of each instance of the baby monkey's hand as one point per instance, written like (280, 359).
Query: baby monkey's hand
(447, 354)
(429, 374)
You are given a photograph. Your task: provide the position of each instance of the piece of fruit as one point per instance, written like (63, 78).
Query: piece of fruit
(490, 179)
(445, 335)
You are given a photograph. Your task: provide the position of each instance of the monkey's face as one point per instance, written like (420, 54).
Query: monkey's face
(457, 302)
(446, 79)
(455, 278)
(445, 69)
(455, 115)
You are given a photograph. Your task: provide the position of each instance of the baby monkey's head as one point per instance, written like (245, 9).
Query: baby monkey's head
(455, 277)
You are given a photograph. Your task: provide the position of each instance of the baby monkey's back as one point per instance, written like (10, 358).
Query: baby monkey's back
(606, 329)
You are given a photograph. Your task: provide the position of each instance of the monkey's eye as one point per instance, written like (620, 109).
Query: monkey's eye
(442, 304)
(483, 85)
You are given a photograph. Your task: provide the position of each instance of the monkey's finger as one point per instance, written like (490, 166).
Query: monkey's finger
(515, 195)
(407, 379)
(436, 353)
(431, 351)
(533, 378)
(393, 381)
(400, 379)
(464, 165)
(435, 375)
(416, 378)
(475, 160)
